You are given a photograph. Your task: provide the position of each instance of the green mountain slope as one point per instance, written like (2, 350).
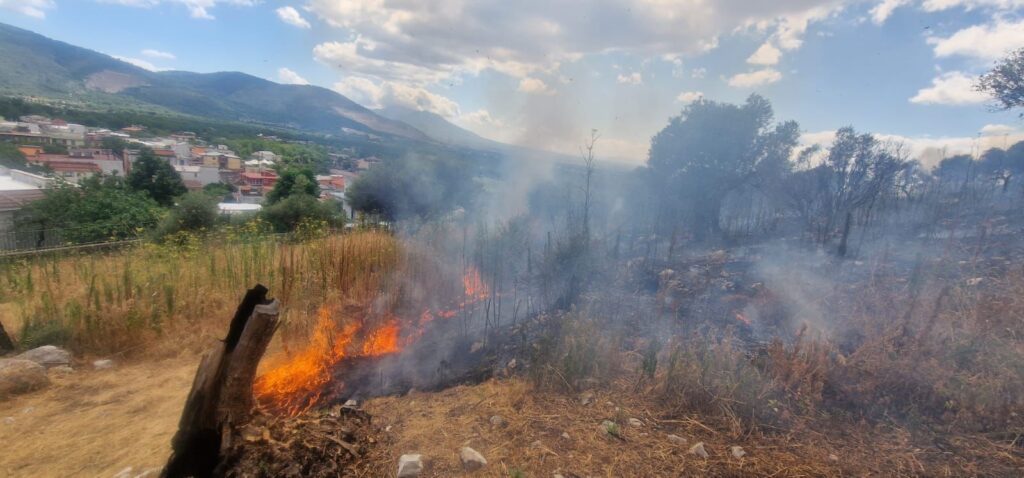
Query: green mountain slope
(33, 65)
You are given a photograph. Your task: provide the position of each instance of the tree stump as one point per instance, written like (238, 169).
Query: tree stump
(221, 397)
(6, 344)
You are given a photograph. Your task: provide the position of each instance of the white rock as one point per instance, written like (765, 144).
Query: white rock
(47, 356)
(497, 421)
(471, 459)
(410, 465)
(737, 451)
(566, 436)
(676, 440)
(351, 403)
(586, 398)
(833, 457)
(634, 422)
(103, 364)
(698, 449)
(20, 376)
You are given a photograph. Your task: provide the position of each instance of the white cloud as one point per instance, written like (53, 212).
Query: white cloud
(885, 8)
(32, 8)
(145, 65)
(689, 96)
(952, 88)
(755, 78)
(767, 54)
(985, 42)
(535, 86)
(479, 120)
(292, 17)
(699, 73)
(289, 77)
(881, 12)
(631, 79)
(163, 55)
(997, 129)
(416, 37)
(928, 150)
(196, 8)
(380, 94)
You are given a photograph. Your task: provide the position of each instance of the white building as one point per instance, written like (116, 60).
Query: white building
(202, 175)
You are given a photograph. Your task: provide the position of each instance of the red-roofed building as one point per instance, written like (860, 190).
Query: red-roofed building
(73, 171)
(257, 182)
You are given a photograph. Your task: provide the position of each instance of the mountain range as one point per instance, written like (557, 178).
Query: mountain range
(32, 65)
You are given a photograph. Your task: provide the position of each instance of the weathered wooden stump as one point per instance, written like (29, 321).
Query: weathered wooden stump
(221, 397)
(6, 344)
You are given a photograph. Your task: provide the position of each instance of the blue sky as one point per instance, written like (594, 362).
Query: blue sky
(543, 73)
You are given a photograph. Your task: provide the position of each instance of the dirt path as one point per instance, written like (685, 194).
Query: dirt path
(96, 423)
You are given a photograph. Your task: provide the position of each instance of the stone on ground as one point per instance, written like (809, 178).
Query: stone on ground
(471, 459)
(47, 356)
(103, 364)
(410, 465)
(698, 449)
(635, 422)
(20, 376)
(497, 421)
(676, 440)
(62, 370)
(737, 451)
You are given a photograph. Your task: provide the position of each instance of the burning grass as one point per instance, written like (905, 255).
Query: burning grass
(154, 298)
(293, 383)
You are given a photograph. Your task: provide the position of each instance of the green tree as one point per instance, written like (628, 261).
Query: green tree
(712, 149)
(194, 211)
(156, 177)
(98, 209)
(293, 181)
(1006, 82)
(117, 145)
(1002, 165)
(291, 211)
(220, 190)
(417, 187)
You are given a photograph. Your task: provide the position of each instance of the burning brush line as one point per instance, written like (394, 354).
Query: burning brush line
(298, 384)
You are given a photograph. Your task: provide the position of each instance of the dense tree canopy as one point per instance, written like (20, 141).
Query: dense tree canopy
(292, 181)
(156, 177)
(712, 149)
(414, 187)
(97, 210)
(290, 212)
(1006, 82)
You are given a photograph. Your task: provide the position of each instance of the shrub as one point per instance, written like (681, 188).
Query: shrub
(195, 211)
(288, 213)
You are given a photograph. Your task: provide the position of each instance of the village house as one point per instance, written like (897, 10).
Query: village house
(201, 175)
(78, 163)
(17, 190)
(257, 183)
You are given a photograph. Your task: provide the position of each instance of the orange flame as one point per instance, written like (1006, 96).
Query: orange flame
(296, 385)
(382, 341)
(475, 288)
